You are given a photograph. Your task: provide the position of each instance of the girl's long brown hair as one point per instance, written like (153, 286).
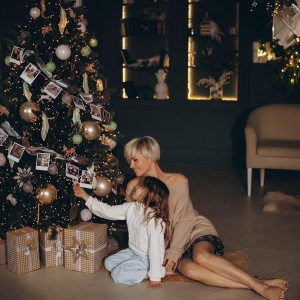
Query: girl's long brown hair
(156, 194)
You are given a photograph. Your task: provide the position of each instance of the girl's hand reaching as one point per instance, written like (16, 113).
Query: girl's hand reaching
(155, 284)
(80, 192)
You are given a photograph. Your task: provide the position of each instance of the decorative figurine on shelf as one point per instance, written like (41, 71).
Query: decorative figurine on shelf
(161, 90)
(210, 28)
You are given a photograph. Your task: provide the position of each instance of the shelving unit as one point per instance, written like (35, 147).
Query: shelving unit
(145, 43)
(213, 48)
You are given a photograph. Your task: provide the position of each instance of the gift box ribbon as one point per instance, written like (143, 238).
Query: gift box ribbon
(58, 247)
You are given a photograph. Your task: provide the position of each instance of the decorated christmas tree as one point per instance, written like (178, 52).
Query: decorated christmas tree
(55, 122)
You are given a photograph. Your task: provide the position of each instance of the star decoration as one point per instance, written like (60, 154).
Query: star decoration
(23, 174)
(78, 249)
(46, 29)
(90, 68)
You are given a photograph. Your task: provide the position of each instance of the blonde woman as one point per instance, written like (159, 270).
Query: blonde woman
(195, 249)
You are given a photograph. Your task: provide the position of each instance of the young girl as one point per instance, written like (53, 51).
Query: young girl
(147, 221)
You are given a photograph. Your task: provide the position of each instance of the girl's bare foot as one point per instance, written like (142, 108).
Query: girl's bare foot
(280, 283)
(273, 293)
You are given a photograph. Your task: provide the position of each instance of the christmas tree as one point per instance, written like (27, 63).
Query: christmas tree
(55, 125)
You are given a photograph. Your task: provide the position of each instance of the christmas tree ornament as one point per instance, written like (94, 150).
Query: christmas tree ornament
(27, 110)
(120, 178)
(91, 130)
(112, 126)
(77, 138)
(7, 61)
(45, 126)
(102, 186)
(3, 110)
(86, 215)
(66, 98)
(85, 83)
(46, 194)
(26, 91)
(63, 21)
(73, 212)
(112, 160)
(2, 159)
(23, 175)
(81, 27)
(53, 169)
(86, 51)
(10, 198)
(28, 187)
(93, 42)
(63, 52)
(99, 85)
(25, 142)
(35, 12)
(83, 20)
(50, 66)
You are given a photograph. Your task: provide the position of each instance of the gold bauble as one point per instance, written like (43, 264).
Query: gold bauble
(27, 111)
(103, 186)
(46, 195)
(91, 130)
(112, 160)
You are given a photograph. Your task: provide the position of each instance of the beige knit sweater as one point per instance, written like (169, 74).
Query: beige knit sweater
(185, 222)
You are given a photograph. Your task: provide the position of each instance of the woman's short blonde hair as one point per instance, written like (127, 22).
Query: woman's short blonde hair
(146, 146)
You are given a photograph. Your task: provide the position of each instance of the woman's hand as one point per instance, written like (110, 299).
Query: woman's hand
(155, 284)
(169, 266)
(80, 192)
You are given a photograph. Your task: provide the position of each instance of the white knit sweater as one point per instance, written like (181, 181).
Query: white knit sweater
(144, 237)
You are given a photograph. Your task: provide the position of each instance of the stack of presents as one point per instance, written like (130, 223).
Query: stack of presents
(79, 248)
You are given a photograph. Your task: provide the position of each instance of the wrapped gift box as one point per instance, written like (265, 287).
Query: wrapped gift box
(51, 250)
(23, 250)
(3, 252)
(85, 246)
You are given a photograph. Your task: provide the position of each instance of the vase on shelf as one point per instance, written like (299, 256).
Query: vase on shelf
(161, 90)
(216, 92)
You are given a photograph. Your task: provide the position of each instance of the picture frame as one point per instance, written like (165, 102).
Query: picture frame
(30, 73)
(16, 152)
(42, 161)
(72, 171)
(52, 89)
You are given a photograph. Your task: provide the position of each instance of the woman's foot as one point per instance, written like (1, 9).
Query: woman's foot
(273, 293)
(280, 283)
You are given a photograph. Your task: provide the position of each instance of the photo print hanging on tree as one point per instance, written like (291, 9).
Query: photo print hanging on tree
(3, 136)
(86, 179)
(42, 161)
(78, 103)
(52, 89)
(114, 188)
(96, 111)
(16, 55)
(16, 152)
(30, 73)
(105, 116)
(72, 171)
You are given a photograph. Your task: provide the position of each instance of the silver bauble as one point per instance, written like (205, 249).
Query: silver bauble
(86, 215)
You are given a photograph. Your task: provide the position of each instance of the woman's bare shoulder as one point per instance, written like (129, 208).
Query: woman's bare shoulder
(173, 178)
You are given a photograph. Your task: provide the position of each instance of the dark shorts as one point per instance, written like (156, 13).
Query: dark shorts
(215, 240)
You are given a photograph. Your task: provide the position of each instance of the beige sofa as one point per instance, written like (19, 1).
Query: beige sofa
(272, 135)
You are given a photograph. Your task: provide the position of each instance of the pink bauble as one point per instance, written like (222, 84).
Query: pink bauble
(27, 187)
(103, 186)
(63, 52)
(86, 215)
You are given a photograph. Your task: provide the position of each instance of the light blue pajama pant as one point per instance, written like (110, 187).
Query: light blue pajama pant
(127, 266)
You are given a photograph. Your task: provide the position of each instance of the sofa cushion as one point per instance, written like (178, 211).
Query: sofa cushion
(279, 148)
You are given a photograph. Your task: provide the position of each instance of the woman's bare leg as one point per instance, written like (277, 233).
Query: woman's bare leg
(223, 272)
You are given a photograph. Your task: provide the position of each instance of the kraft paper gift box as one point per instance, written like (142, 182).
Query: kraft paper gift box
(3, 252)
(85, 246)
(23, 250)
(51, 250)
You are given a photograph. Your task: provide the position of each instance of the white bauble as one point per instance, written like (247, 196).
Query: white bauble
(86, 215)
(63, 52)
(35, 12)
(82, 27)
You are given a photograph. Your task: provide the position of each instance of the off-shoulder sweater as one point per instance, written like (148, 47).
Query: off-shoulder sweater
(185, 222)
